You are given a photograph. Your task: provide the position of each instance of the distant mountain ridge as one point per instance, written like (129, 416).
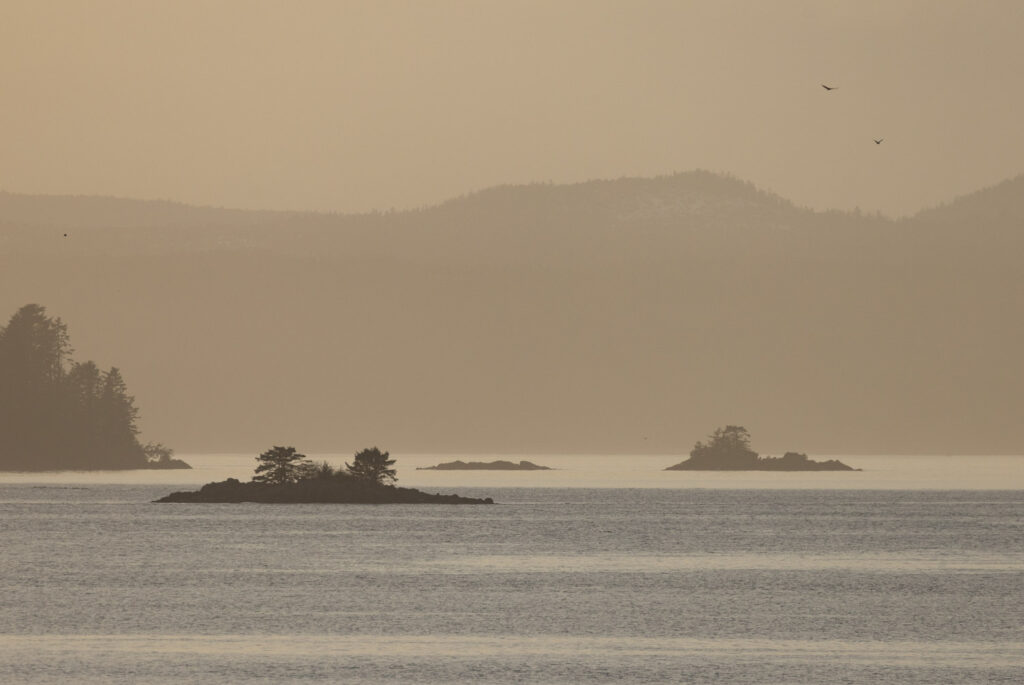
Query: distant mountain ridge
(92, 212)
(1004, 200)
(669, 196)
(545, 318)
(695, 187)
(701, 199)
(508, 220)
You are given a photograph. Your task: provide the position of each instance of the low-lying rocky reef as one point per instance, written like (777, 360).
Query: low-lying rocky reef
(316, 490)
(499, 465)
(285, 476)
(728, 449)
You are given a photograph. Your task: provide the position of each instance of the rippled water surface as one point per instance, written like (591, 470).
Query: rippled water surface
(553, 584)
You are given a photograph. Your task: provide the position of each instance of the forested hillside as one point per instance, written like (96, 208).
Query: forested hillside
(56, 413)
(609, 316)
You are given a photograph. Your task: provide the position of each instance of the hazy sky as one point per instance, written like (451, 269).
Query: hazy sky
(351, 106)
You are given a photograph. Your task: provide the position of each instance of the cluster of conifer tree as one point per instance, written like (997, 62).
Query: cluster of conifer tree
(285, 466)
(56, 413)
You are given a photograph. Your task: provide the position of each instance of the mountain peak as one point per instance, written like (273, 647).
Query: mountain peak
(667, 197)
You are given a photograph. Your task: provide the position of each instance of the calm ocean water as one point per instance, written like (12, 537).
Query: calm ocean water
(636, 575)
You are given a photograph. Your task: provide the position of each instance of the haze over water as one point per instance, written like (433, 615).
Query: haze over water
(879, 472)
(542, 229)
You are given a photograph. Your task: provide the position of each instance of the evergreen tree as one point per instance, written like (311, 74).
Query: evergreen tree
(80, 430)
(279, 465)
(374, 465)
(33, 350)
(116, 416)
(729, 445)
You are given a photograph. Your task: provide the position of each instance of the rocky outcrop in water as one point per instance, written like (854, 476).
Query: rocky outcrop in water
(316, 490)
(790, 461)
(499, 465)
(728, 449)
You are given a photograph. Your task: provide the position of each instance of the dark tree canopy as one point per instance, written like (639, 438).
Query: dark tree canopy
(729, 445)
(56, 413)
(283, 475)
(728, 449)
(372, 464)
(281, 465)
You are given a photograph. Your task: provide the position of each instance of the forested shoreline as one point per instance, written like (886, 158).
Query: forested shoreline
(60, 414)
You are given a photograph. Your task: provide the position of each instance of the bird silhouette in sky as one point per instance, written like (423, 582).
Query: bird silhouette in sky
(878, 141)
(828, 87)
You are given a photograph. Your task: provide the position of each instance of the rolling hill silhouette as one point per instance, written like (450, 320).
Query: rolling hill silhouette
(545, 318)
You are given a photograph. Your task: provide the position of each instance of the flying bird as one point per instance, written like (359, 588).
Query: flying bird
(828, 87)
(878, 141)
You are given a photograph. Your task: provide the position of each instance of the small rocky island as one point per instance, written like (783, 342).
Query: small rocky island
(499, 465)
(728, 449)
(285, 476)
